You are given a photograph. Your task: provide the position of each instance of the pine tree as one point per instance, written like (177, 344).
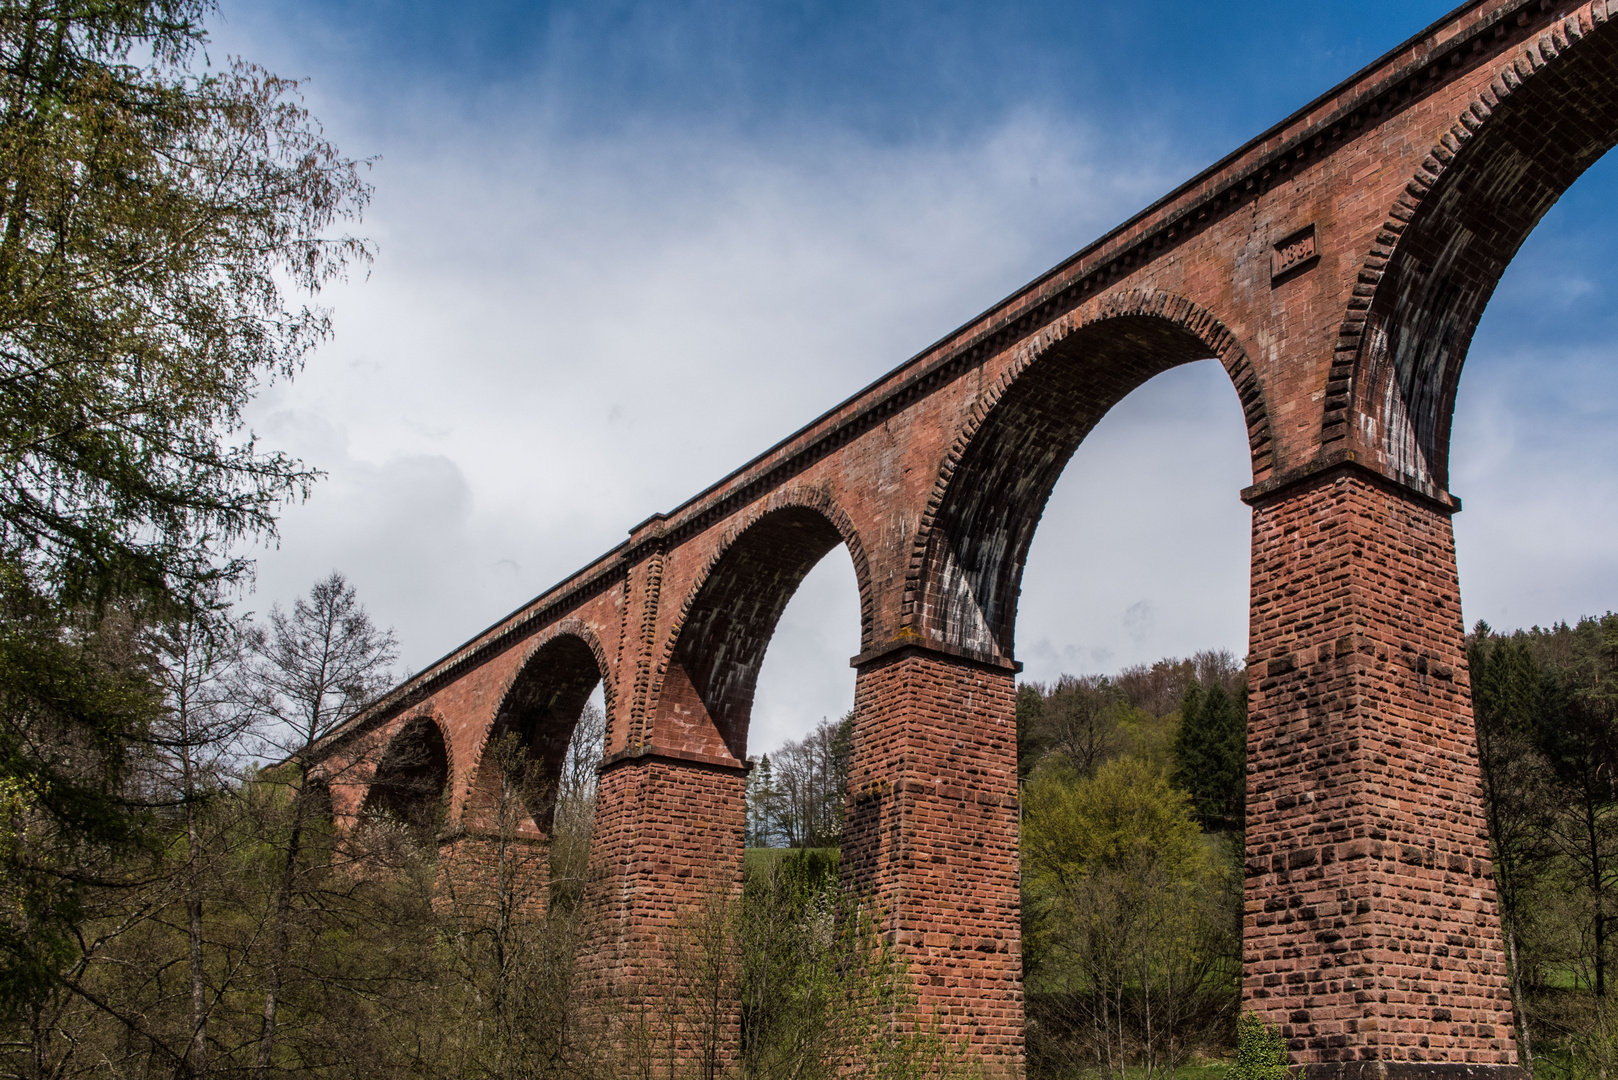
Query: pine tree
(763, 807)
(1210, 752)
(1578, 735)
(1030, 707)
(1508, 699)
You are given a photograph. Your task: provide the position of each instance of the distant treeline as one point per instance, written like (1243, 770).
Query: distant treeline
(1133, 790)
(1546, 704)
(795, 795)
(1133, 795)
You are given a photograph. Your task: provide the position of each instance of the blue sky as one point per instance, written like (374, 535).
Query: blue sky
(625, 246)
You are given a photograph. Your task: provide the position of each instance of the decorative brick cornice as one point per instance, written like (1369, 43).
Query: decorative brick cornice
(651, 752)
(901, 647)
(530, 619)
(1331, 465)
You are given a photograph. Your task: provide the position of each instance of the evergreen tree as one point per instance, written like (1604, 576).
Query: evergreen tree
(1578, 735)
(1030, 707)
(1508, 700)
(1210, 752)
(154, 219)
(763, 804)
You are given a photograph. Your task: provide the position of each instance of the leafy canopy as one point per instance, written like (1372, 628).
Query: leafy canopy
(153, 220)
(149, 219)
(1125, 812)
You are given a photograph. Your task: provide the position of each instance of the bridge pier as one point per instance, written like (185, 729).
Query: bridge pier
(666, 876)
(1370, 933)
(931, 838)
(1337, 266)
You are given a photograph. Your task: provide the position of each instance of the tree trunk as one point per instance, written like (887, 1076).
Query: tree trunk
(1592, 831)
(1525, 1046)
(199, 986)
(283, 921)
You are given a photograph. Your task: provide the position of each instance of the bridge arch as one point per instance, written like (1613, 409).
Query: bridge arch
(540, 706)
(1509, 156)
(413, 774)
(966, 566)
(716, 647)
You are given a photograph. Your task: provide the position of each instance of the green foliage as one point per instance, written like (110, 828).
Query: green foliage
(823, 994)
(763, 804)
(74, 694)
(1545, 702)
(1210, 754)
(364, 943)
(1131, 925)
(153, 220)
(1511, 694)
(1261, 1053)
(786, 935)
(1030, 708)
(150, 221)
(1079, 720)
(1072, 826)
(1131, 915)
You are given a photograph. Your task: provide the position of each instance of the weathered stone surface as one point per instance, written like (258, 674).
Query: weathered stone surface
(1336, 266)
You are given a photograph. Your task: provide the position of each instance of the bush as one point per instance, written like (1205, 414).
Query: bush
(1261, 1053)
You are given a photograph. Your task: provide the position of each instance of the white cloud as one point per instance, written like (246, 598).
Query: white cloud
(565, 333)
(562, 336)
(1143, 549)
(1535, 451)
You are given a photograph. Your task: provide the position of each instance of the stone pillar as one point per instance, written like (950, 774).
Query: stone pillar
(1371, 935)
(482, 875)
(931, 837)
(666, 875)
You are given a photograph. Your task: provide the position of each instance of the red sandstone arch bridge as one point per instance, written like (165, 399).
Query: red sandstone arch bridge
(1336, 266)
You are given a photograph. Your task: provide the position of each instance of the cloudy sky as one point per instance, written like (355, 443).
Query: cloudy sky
(626, 245)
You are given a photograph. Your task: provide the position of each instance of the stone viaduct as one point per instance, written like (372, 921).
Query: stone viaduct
(1336, 266)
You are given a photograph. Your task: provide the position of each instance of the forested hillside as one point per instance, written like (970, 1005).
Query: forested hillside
(1132, 804)
(1133, 790)
(242, 934)
(1546, 702)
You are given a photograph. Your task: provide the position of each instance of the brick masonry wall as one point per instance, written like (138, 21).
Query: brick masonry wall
(1370, 930)
(482, 875)
(665, 857)
(931, 837)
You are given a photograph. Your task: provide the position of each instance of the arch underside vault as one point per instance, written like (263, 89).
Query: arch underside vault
(410, 781)
(706, 697)
(996, 486)
(528, 740)
(1503, 164)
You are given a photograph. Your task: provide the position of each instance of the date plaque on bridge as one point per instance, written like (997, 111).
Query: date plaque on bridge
(1294, 253)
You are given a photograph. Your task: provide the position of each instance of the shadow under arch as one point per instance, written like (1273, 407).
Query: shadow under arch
(967, 564)
(413, 775)
(539, 711)
(717, 646)
(1545, 119)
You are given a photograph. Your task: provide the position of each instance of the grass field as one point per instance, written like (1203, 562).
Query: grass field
(756, 857)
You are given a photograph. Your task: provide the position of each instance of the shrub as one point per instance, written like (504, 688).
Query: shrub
(1261, 1053)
